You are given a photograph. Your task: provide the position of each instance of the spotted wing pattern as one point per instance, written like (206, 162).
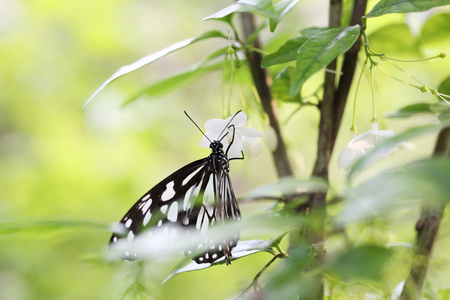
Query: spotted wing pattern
(194, 198)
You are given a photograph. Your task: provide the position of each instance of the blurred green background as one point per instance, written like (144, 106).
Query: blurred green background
(60, 163)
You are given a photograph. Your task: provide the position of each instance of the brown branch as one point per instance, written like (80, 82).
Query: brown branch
(334, 100)
(259, 76)
(427, 228)
(332, 108)
(326, 110)
(348, 68)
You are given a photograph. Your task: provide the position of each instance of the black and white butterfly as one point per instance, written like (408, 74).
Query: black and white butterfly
(187, 204)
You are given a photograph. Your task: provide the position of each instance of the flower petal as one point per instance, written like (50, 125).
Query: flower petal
(204, 142)
(217, 130)
(215, 124)
(253, 147)
(369, 139)
(270, 138)
(365, 136)
(387, 152)
(384, 133)
(208, 137)
(360, 145)
(235, 148)
(238, 120)
(348, 156)
(249, 133)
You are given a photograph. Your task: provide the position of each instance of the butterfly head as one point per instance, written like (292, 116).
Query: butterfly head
(230, 132)
(216, 147)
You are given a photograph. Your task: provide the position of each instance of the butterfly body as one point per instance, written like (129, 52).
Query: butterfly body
(194, 198)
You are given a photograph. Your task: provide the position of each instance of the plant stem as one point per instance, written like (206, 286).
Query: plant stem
(280, 156)
(353, 128)
(255, 283)
(374, 116)
(427, 228)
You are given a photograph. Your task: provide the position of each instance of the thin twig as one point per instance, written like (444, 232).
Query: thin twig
(255, 284)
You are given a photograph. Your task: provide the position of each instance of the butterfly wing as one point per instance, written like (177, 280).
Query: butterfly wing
(191, 197)
(161, 204)
(227, 209)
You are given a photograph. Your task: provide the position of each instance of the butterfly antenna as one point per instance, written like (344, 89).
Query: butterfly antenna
(226, 127)
(197, 126)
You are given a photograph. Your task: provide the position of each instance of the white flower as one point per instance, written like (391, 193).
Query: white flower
(359, 145)
(217, 128)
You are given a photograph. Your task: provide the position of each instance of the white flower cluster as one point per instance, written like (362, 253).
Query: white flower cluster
(359, 145)
(217, 128)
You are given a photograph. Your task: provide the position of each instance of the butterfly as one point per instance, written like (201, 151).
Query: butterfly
(188, 202)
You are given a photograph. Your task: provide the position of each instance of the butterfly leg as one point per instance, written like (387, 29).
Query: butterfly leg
(233, 158)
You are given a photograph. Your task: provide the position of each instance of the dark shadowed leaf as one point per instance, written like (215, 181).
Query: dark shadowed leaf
(261, 7)
(362, 263)
(319, 51)
(281, 8)
(288, 51)
(153, 57)
(403, 6)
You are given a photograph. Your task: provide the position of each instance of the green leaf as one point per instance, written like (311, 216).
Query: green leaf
(261, 7)
(153, 57)
(398, 188)
(320, 50)
(366, 262)
(391, 143)
(276, 240)
(436, 31)
(255, 34)
(419, 109)
(403, 6)
(286, 282)
(281, 85)
(444, 87)
(175, 81)
(281, 8)
(288, 51)
(411, 110)
(394, 39)
(243, 248)
(39, 226)
(288, 186)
